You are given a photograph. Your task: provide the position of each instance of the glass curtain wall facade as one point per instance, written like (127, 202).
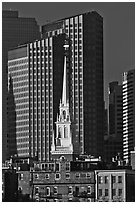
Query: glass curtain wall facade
(85, 32)
(15, 31)
(128, 114)
(35, 97)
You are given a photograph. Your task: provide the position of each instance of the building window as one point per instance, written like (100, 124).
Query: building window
(55, 190)
(88, 175)
(106, 192)
(67, 166)
(67, 176)
(36, 176)
(113, 179)
(47, 176)
(119, 192)
(119, 179)
(57, 176)
(36, 190)
(57, 167)
(89, 200)
(113, 192)
(100, 179)
(106, 179)
(89, 190)
(48, 191)
(100, 192)
(77, 175)
(20, 176)
(70, 190)
(20, 189)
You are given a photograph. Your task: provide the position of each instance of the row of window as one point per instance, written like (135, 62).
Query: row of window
(106, 192)
(42, 47)
(53, 166)
(58, 176)
(75, 25)
(11, 63)
(47, 190)
(105, 179)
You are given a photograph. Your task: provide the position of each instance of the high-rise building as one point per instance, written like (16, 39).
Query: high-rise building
(128, 114)
(114, 142)
(15, 30)
(85, 32)
(36, 71)
(115, 109)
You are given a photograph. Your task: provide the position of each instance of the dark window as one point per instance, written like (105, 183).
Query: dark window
(113, 179)
(57, 166)
(119, 179)
(113, 192)
(67, 166)
(57, 176)
(119, 192)
(100, 192)
(36, 190)
(106, 192)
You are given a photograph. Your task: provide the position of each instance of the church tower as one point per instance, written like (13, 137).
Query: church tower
(62, 143)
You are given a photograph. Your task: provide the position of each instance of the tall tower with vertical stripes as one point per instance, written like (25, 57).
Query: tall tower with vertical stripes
(86, 83)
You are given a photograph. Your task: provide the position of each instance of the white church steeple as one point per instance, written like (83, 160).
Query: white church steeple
(62, 143)
(65, 85)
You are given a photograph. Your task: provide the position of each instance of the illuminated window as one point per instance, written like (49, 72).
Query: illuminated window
(100, 179)
(55, 190)
(48, 191)
(89, 190)
(70, 190)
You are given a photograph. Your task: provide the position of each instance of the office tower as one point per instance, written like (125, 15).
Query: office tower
(11, 121)
(128, 114)
(36, 70)
(115, 109)
(114, 142)
(15, 30)
(85, 32)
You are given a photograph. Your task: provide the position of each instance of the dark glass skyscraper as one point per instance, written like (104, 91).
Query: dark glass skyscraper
(15, 31)
(114, 142)
(85, 32)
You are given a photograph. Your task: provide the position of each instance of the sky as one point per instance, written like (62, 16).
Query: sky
(119, 29)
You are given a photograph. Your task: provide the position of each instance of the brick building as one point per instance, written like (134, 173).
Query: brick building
(115, 185)
(61, 181)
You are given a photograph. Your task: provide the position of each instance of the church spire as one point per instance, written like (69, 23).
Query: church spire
(65, 88)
